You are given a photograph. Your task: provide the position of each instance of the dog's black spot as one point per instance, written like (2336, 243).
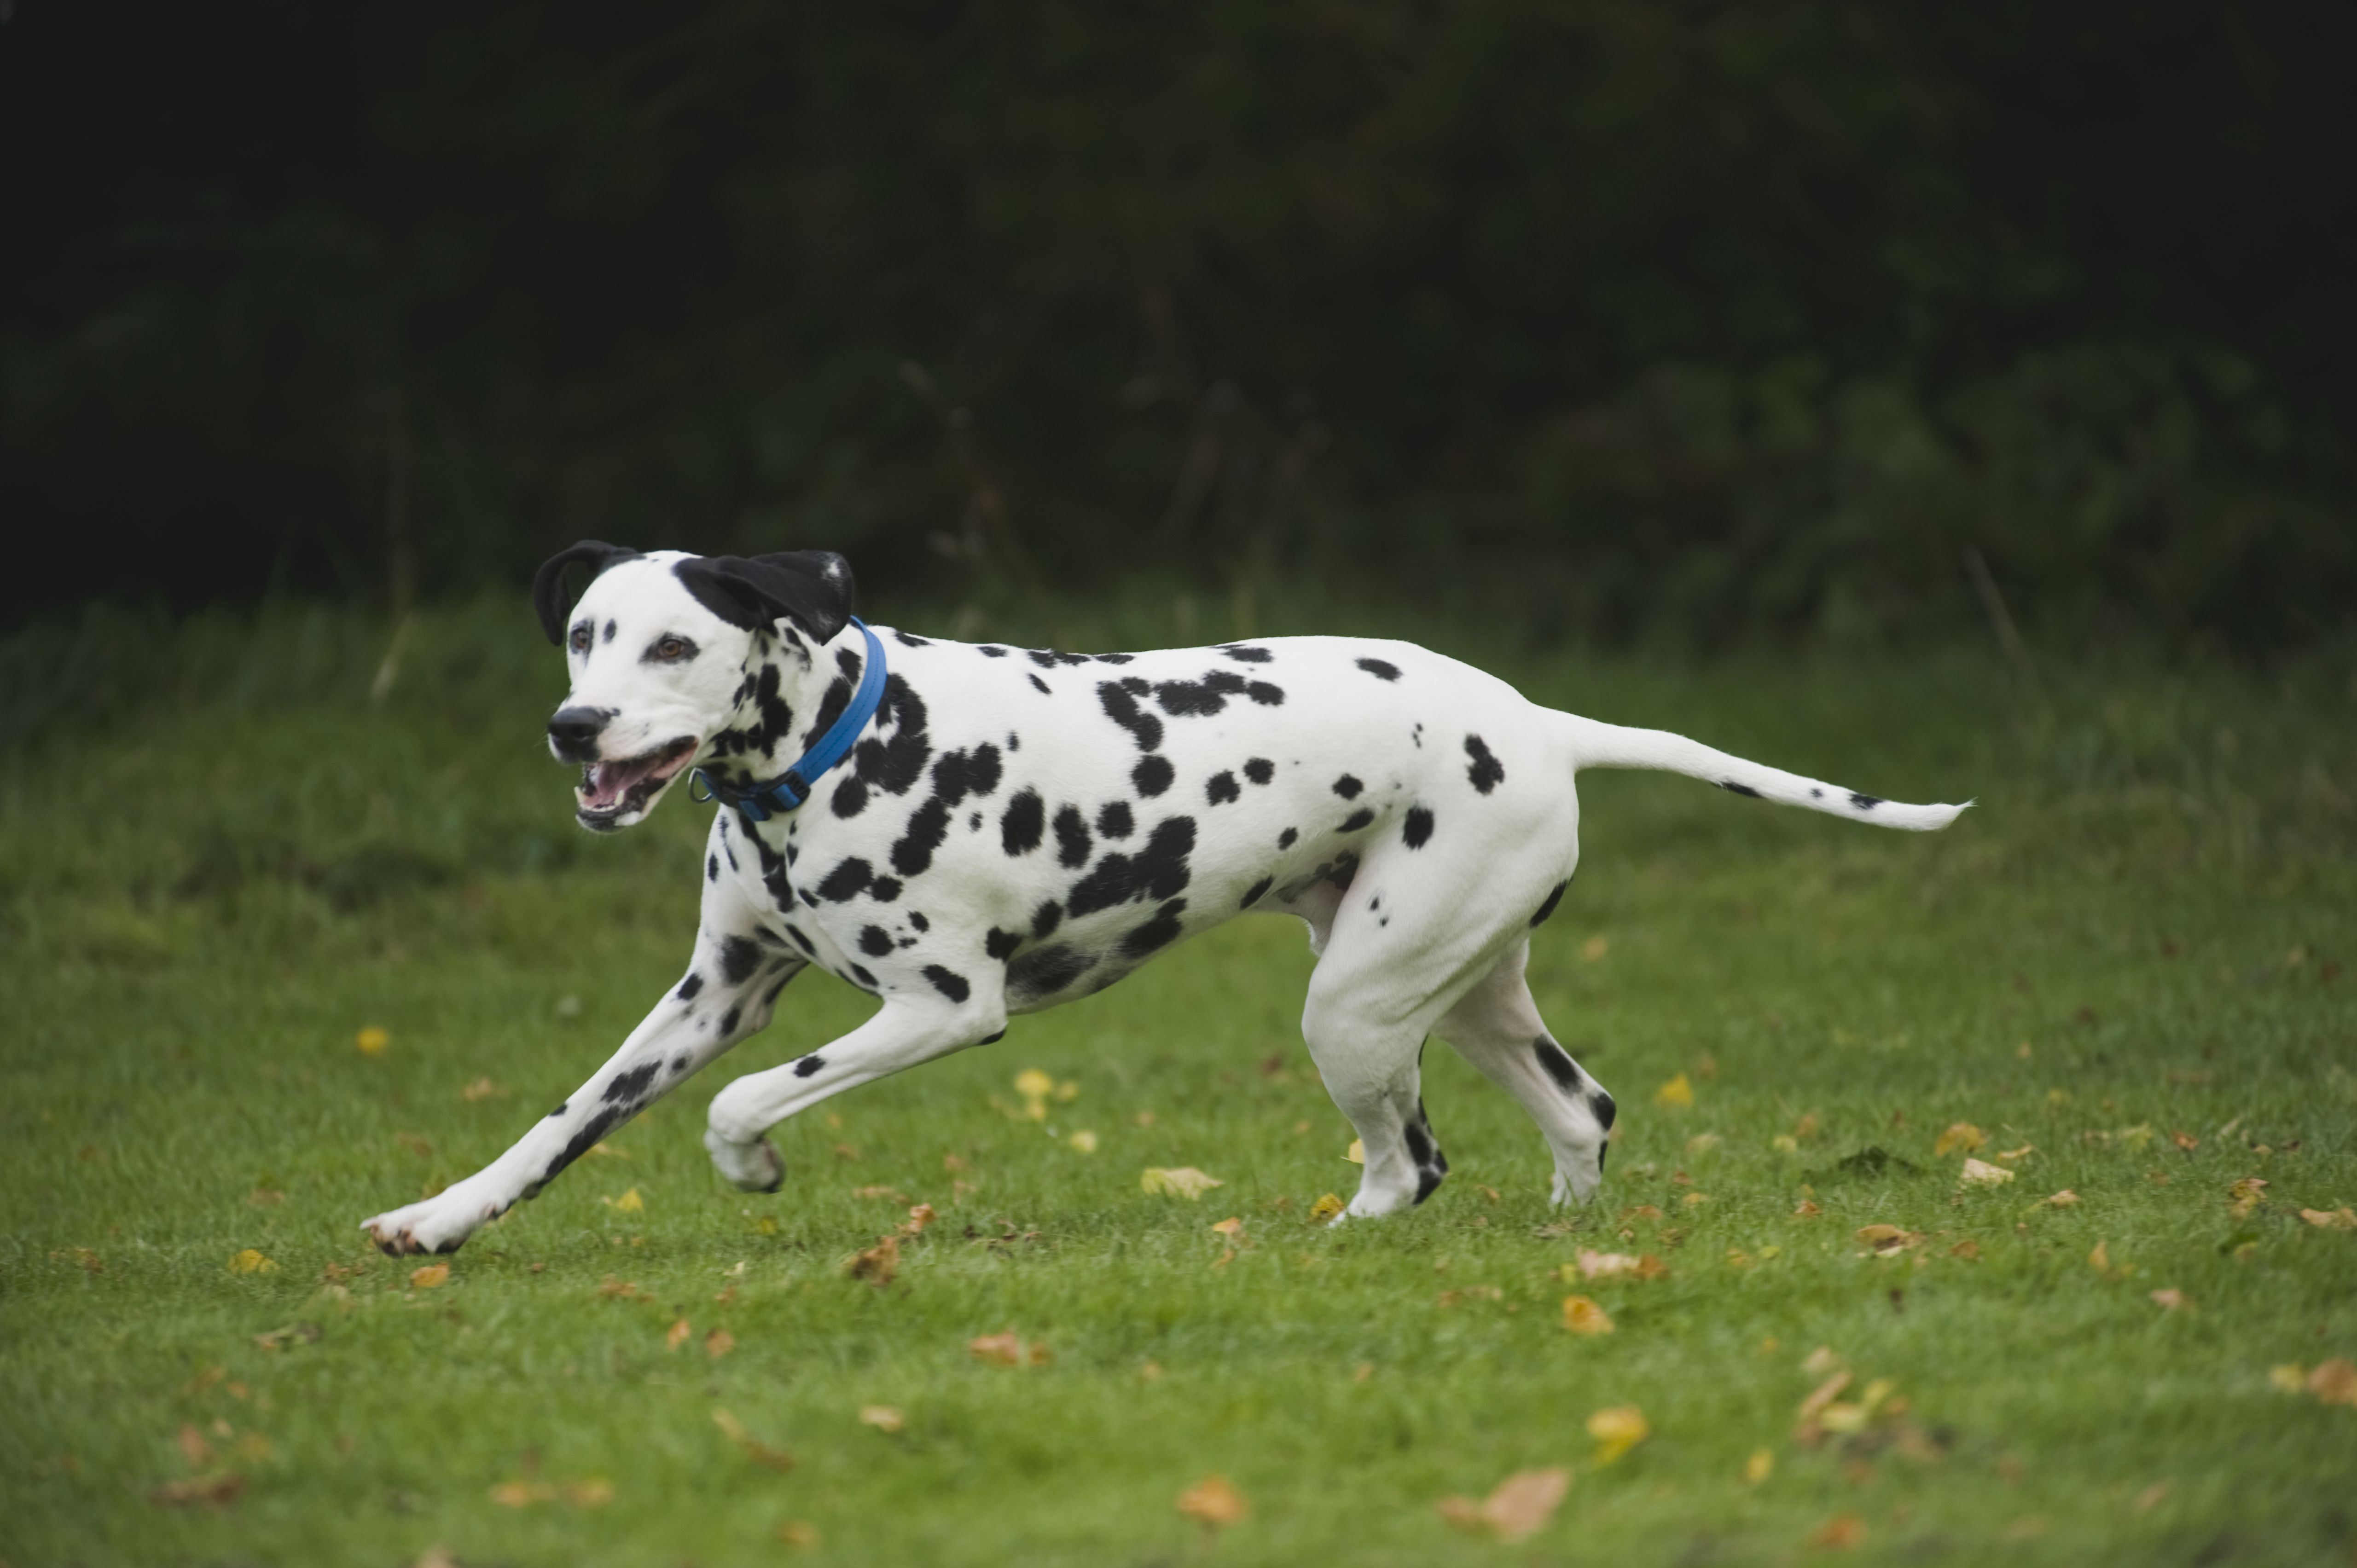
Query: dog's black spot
(562, 1106)
(805, 1066)
(1158, 871)
(1285, 840)
(1046, 919)
(1600, 1105)
(876, 941)
(850, 797)
(948, 983)
(991, 650)
(1348, 787)
(884, 889)
(1158, 932)
(1043, 972)
(1024, 822)
(1014, 741)
(630, 1087)
(1266, 695)
(960, 774)
(728, 1019)
(712, 868)
(917, 918)
(1260, 769)
(1816, 794)
(1732, 787)
(1001, 945)
(801, 941)
(1356, 820)
(690, 986)
(830, 708)
(846, 881)
(1120, 704)
(1558, 1064)
(1114, 821)
(1182, 699)
(1042, 685)
(1486, 773)
(679, 1064)
(1419, 1142)
(739, 957)
(928, 825)
(1252, 893)
(608, 636)
(1247, 655)
(1382, 670)
(1044, 660)
(1553, 897)
(1152, 775)
(593, 1132)
(908, 639)
(1223, 788)
(867, 980)
(894, 764)
(1115, 658)
(1866, 802)
(1072, 837)
(1416, 831)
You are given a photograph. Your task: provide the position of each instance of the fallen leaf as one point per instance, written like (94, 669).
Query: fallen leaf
(628, 1202)
(1595, 948)
(589, 1494)
(1807, 1209)
(1641, 1211)
(1181, 1181)
(1819, 1398)
(519, 1494)
(613, 1287)
(1805, 1128)
(759, 1451)
(1887, 1239)
(1582, 1316)
(879, 1265)
(1617, 1429)
(371, 1041)
(2290, 1377)
(1323, 1211)
(433, 1276)
(1969, 1251)
(250, 1262)
(1232, 1227)
(481, 1088)
(2334, 1383)
(193, 1446)
(1694, 1198)
(2245, 1196)
(1005, 1350)
(1084, 1142)
(2169, 1300)
(1676, 1094)
(1604, 1265)
(799, 1533)
(217, 1490)
(1759, 1467)
(1357, 1153)
(1840, 1533)
(718, 1343)
(920, 1215)
(1519, 1507)
(2185, 1141)
(2150, 1498)
(1820, 1361)
(2330, 1219)
(678, 1335)
(1961, 1135)
(2066, 1198)
(1215, 1501)
(435, 1556)
(882, 1417)
(1980, 1173)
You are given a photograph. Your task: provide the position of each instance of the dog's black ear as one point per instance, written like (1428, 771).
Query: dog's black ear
(810, 588)
(548, 583)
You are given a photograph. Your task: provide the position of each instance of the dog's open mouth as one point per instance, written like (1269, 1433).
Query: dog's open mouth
(612, 789)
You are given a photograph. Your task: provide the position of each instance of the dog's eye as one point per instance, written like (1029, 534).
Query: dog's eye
(580, 637)
(672, 649)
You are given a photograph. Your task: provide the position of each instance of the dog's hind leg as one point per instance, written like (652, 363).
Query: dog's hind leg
(1496, 1027)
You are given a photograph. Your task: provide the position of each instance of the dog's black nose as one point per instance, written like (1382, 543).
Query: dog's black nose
(574, 732)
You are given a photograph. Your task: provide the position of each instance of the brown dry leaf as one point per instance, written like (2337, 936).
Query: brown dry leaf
(2341, 1218)
(2334, 1383)
(1322, 1212)
(718, 1343)
(625, 1291)
(1641, 1211)
(217, 1490)
(193, 1447)
(1960, 1135)
(293, 1334)
(1980, 1173)
(2245, 1196)
(1593, 950)
(2066, 1198)
(920, 1215)
(1820, 1361)
(1617, 1429)
(879, 1265)
(882, 1417)
(1582, 1316)
(519, 1494)
(1886, 1240)
(2012, 1154)
(433, 1276)
(1232, 1227)
(1604, 1265)
(799, 1533)
(1006, 1349)
(2169, 1300)
(1180, 1181)
(678, 1335)
(1215, 1501)
(1807, 1209)
(1519, 1507)
(481, 1088)
(1969, 1251)
(436, 1556)
(589, 1494)
(759, 1451)
(2185, 1141)
(1840, 1533)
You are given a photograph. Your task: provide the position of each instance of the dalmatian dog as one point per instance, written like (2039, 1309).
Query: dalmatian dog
(1001, 830)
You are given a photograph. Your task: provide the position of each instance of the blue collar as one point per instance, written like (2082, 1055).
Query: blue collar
(791, 788)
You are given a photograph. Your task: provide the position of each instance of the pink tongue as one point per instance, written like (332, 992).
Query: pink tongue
(609, 781)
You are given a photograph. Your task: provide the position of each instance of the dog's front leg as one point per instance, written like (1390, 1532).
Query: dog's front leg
(727, 996)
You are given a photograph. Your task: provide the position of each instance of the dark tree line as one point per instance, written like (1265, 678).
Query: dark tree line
(1714, 320)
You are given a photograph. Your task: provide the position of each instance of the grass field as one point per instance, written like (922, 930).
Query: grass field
(2123, 970)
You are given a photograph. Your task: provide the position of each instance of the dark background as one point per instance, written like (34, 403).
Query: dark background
(1631, 321)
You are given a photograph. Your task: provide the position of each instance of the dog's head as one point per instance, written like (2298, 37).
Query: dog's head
(680, 659)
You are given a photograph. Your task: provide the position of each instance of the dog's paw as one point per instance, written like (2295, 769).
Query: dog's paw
(756, 1167)
(439, 1224)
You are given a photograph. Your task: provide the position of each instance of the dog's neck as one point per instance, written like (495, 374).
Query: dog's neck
(792, 689)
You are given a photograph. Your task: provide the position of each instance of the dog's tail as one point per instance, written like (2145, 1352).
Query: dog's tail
(1595, 745)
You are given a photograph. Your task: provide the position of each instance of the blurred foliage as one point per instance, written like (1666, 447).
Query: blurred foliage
(1686, 324)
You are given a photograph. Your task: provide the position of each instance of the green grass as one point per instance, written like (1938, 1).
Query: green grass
(205, 892)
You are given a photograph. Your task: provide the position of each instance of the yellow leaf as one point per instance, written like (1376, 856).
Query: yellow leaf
(518, 1494)
(1519, 1507)
(433, 1276)
(2334, 1383)
(250, 1262)
(1595, 948)
(2066, 1198)
(678, 1335)
(1232, 1227)
(2246, 1194)
(1605, 1265)
(718, 1343)
(1677, 1093)
(1323, 1211)
(628, 1202)
(1820, 1361)
(2291, 1377)
(1961, 1135)
(2169, 1300)
(1357, 1153)
(1066, 1092)
(2343, 1219)
(1694, 1199)
(1005, 1350)
(371, 1041)
(1180, 1181)
(1889, 1239)
(1785, 1143)
(1980, 1173)
(1759, 1467)
(1582, 1316)
(882, 1417)
(589, 1494)
(1084, 1142)
(1215, 1501)
(1033, 1084)
(1617, 1429)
